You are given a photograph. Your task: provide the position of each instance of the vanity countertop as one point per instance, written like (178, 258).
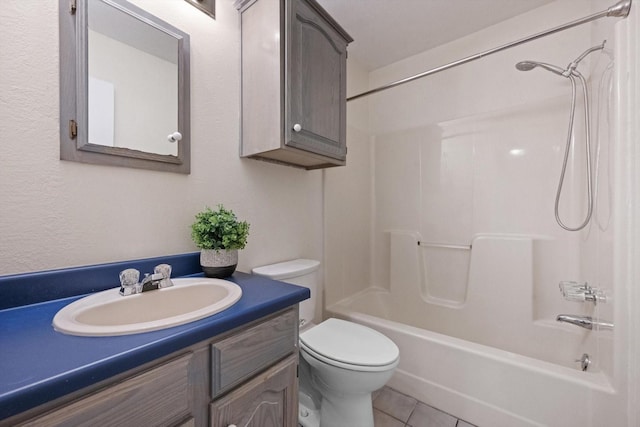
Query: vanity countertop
(38, 364)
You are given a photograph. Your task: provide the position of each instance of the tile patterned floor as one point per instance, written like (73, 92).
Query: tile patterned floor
(394, 409)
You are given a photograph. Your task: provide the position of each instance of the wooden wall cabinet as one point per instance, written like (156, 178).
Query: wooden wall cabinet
(246, 377)
(293, 83)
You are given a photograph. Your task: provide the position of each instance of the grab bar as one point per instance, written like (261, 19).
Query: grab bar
(443, 245)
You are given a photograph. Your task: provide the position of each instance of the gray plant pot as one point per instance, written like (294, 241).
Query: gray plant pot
(218, 263)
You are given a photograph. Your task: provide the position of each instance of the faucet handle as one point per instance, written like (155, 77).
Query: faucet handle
(581, 292)
(165, 271)
(129, 281)
(573, 291)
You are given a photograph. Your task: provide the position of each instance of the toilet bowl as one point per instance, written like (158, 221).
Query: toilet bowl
(347, 362)
(341, 362)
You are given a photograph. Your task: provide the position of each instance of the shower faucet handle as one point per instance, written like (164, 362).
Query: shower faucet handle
(581, 292)
(573, 291)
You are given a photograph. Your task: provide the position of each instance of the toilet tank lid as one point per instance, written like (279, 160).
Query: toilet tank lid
(287, 269)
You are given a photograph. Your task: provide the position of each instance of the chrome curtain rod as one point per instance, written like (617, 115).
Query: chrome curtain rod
(620, 9)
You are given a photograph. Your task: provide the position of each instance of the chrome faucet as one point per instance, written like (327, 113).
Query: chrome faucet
(586, 322)
(151, 282)
(161, 278)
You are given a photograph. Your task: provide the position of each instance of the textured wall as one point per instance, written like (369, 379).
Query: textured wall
(56, 214)
(347, 202)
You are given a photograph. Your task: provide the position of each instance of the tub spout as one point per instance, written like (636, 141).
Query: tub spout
(586, 322)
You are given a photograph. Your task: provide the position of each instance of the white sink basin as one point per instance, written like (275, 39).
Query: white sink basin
(108, 313)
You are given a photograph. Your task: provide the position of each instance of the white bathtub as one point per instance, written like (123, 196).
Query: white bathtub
(486, 386)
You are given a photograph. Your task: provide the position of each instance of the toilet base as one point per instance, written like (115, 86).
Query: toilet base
(347, 411)
(335, 408)
(354, 412)
(308, 414)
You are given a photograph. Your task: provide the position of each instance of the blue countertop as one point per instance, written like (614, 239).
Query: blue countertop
(38, 364)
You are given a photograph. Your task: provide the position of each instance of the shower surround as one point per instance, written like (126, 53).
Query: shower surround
(444, 237)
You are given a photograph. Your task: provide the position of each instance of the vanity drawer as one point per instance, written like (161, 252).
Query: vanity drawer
(244, 354)
(157, 397)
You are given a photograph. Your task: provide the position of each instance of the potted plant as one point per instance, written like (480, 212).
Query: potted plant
(219, 235)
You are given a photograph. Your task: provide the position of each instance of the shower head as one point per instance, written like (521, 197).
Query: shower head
(526, 65)
(530, 65)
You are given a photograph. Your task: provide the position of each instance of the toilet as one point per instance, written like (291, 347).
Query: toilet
(341, 362)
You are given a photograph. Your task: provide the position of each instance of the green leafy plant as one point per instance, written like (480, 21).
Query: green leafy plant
(219, 229)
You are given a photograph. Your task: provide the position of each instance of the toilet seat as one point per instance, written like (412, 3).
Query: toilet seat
(350, 346)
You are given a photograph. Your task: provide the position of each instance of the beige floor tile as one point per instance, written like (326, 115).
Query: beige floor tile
(427, 416)
(380, 419)
(464, 424)
(396, 404)
(376, 393)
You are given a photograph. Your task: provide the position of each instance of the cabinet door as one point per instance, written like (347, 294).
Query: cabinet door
(268, 400)
(316, 83)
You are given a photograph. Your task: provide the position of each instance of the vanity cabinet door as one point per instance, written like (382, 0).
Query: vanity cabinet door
(268, 400)
(317, 81)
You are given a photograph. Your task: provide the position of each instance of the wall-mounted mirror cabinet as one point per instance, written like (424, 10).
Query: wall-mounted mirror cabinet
(124, 87)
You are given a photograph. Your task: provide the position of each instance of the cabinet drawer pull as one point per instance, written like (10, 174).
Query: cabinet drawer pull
(297, 127)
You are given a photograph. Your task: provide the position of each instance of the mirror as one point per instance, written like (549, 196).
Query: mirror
(124, 87)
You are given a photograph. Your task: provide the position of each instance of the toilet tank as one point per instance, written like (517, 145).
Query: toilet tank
(302, 272)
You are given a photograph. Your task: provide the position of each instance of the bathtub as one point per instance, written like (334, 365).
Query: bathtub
(484, 385)
(481, 348)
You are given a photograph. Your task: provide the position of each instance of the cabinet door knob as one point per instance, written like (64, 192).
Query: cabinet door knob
(174, 137)
(297, 127)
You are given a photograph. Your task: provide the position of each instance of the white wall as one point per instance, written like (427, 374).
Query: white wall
(57, 214)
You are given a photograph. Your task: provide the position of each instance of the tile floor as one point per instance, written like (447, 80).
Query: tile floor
(394, 409)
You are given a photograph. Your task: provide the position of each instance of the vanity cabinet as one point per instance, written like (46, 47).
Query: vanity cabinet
(247, 376)
(293, 83)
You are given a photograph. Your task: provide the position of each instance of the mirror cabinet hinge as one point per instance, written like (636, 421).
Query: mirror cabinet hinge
(72, 7)
(73, 129)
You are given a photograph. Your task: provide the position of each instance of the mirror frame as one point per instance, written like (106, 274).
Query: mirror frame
(74, 71)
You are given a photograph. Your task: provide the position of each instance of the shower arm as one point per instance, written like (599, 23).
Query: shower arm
(619, 10)
(574, 64)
